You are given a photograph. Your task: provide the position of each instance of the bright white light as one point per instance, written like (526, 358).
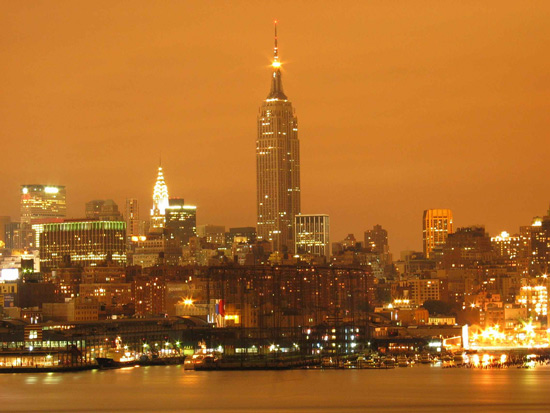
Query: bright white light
(9, 274)
(51, 190)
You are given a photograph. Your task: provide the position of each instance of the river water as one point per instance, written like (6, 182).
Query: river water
(170, 388)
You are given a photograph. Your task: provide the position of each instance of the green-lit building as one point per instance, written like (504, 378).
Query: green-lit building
(82, 243)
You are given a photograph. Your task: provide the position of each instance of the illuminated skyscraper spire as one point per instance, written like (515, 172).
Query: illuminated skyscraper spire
(160, 201)
(277, 164)
(276, 91)
(276, 62)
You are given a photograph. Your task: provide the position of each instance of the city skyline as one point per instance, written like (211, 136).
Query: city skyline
(443, 105)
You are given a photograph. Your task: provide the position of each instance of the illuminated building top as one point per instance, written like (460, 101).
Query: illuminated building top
(160, 201)
(42, 201)
(276, 92)
(437, 224)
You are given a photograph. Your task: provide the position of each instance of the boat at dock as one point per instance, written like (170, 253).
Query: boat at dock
(403, 361)
(119, 357)
(254, 363)
(106, 363)
(425, 358)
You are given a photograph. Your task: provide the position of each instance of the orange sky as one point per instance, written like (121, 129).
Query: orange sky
(402, 106)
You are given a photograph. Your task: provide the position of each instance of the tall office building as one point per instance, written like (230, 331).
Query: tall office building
(132, 217)
(277, 164)
(103, 210)
(82, 243)
(42, 201)
(181, 219)
(377, 239)
(312, 234)
(437, 224)
(160, 202)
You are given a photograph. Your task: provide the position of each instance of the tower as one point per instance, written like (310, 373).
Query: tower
(437, 224)
(277, 164)
(160, 202)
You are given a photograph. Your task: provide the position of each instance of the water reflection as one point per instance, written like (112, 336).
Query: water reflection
(172, 388)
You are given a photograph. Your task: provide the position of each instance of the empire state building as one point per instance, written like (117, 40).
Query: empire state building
(277, 164)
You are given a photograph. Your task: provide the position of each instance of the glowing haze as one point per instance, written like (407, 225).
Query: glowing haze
(402, 106)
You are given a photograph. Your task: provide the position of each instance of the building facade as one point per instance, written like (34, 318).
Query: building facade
(540, 247)
(376, 239)
(312, 234)
(212, 234)
(82, 243)
(245, 235)
(132, 217)
(277, 165)
(181, 220)
(42, 201)
(437, 224)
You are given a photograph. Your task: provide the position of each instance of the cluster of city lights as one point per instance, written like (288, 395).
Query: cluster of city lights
(521, 336)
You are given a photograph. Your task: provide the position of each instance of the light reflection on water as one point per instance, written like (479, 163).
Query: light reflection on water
(171, 389)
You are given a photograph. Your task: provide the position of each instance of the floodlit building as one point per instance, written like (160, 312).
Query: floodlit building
(82, 243)
(277, 164)
(312, 234)
(42, 201)
(160, 202)
(437, 224)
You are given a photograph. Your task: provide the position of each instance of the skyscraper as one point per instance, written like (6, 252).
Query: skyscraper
(312, 234)
(131, 215)
(437, 224)
(160, 202)
(181, 219)
(42, 201)
(277, 164)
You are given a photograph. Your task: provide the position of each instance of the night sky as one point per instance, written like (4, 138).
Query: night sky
(402, 106)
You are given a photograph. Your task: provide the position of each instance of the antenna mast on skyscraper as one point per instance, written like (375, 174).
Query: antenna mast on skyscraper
(276, 64)
(275, 50)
